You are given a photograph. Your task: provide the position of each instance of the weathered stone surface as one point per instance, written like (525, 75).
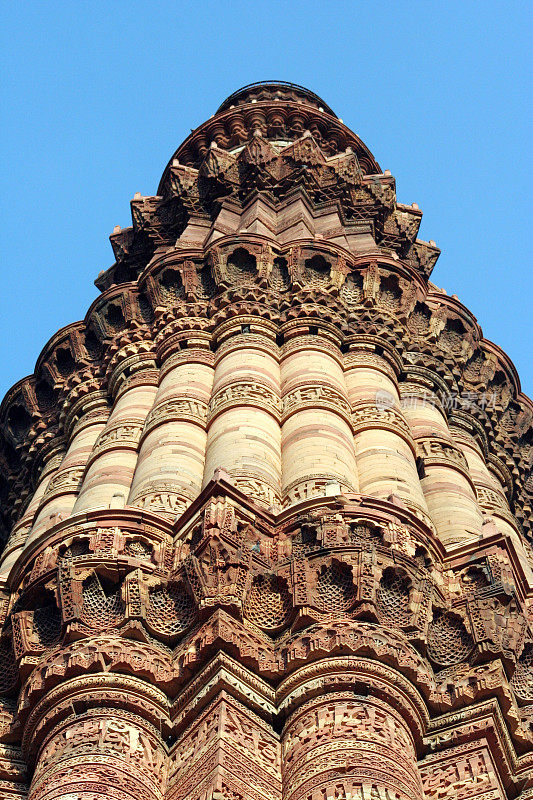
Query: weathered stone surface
(267, 508)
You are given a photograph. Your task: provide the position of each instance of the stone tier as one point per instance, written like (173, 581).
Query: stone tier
(266, 508)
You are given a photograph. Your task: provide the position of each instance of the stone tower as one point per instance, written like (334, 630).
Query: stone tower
(267, 508)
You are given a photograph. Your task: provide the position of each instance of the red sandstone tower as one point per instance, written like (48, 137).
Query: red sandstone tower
(267, 508)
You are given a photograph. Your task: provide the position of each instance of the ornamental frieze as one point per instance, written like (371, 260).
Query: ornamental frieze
(315, 396)
(309, 486)
(244, 393)
(66, 480)
(177, 409)
(259, 489)
(122, 435)
(166, 498)
(436, 451)
(370, 415)
(291, 586)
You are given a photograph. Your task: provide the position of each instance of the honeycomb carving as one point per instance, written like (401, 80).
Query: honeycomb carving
(317, 271)
(138, 549)
(304, 541)
(473, 580)
(47, 625)
(8, 666)
(365, 536)
(448, 640)
(79, 547)
(297, 644)
(171, 610)
(419, 321)
(241, 266)
(352, 289)
(452, 336)
(390, 297)
(335, 589)
(103, 608)
(393, 599)
(171, 286)
(279, 277)
(522, 680)
(268, 603)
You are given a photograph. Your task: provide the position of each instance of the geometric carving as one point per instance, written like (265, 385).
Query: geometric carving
(103, 606)
(392, 598)
(227, 752)
(8, 667)
(334, 586)
(171, 609)
(268, 603)
(138, 549)
(236, 568)
(46, 625)
(522, 680)
(463, 772)
(448, 640)
(348, 747)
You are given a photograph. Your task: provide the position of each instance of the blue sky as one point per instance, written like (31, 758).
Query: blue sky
(97, 96)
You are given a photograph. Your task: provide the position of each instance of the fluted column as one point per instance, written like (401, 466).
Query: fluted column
(244, 435)
(490, 494)
(112, 461)
(87, 418)
(351, 741)
(317, 439)
(384, 447)
(170, 467)
(52, 460)
(447, 486)
(489, 491)
(99, 737)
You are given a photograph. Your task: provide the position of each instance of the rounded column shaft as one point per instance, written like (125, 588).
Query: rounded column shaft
(21, 530)
(317, 439)
(491, 496)
(170, 467)
(384, 447)
(447, 487)
(110, 747)
(62, 489)
(111, 464)
(244, 436)
(344, 746)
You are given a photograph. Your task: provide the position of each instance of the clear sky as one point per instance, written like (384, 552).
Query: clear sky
(97, 96)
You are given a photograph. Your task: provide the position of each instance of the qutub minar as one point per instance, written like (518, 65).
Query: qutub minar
(267, 508)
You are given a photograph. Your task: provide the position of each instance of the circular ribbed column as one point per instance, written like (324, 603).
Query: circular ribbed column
(244, 435)
(446, 483)
(384, 447)
(490, 493)
(52, 463)
(317, 439)
(112, 461)
(52, 460)
(88, 417)
(351, 733)
(170, 467)
(99, 737)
